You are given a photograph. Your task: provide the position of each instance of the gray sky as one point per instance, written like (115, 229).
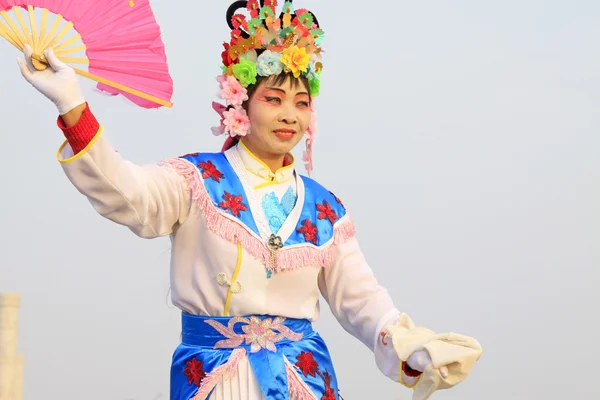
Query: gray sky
(462, 136)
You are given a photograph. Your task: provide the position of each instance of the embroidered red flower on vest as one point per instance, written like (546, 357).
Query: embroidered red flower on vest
(233, 204)
(329, 393)
(337, 199)
(326, 212)
(210, 171)
(307, 363)
(194, 371)
(309, 230)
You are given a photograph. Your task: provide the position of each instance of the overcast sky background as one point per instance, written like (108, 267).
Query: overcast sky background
(463, 137)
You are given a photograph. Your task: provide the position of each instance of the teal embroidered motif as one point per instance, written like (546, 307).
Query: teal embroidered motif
(277, 211)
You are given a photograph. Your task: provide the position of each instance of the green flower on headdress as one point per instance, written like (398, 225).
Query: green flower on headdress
(306, 19)
(287, 7)
(254, 24)
(314, 86)
(266, 12)
(245, 72)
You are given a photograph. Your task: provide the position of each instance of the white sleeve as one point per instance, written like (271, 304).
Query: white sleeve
(361, 305)
(150, 200)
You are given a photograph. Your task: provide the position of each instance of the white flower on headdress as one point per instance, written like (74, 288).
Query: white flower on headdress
(269, 63)
(250, 55)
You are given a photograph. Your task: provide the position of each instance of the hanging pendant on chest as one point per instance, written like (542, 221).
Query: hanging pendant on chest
(275, 243)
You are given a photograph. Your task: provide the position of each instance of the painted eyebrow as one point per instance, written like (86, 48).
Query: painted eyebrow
(283, 91)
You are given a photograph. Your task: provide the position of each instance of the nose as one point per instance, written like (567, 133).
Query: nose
(288, 115)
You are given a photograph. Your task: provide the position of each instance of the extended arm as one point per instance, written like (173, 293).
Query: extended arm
(414, 356)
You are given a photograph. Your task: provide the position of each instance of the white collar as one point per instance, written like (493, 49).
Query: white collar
(258, 168)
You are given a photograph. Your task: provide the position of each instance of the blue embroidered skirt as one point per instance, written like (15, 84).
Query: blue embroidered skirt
(288, 358)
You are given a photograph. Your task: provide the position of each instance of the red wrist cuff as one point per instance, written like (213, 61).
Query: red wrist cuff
(408, 371)
(82, 133)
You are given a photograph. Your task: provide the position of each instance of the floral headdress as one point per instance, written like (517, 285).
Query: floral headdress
(265, 45)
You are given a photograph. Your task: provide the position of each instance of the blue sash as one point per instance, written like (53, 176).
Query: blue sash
(208, 342)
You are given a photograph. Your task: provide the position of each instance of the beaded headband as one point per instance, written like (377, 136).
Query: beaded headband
(264, 45)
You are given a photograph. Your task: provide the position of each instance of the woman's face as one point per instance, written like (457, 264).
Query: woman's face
(279, 117)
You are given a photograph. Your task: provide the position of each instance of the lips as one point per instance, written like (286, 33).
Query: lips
(284, 134)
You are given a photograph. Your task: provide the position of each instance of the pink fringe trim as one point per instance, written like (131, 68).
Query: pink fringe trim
(234, 232)
(227, 370)
(296, 386)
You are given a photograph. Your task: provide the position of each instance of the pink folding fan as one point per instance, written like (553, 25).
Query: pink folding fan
(118, 40)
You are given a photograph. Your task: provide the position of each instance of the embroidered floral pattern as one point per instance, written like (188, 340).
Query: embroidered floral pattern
(233, 204)
(309, 366)
(209, 170)
(383, 337)
(329, 393)
(337, 199)
(307, 363)
(326, 212)
(309, 230)
(258, 334)
(194, 371)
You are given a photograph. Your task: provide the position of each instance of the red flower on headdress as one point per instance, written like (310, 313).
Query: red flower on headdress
(236, 36)
(307, 363)
(227, 60)
(209, 170)
(194, 371)
(253, 8)
(326, 212)
(271, 3)
(309, 230)
(233, 204)
(239, 20)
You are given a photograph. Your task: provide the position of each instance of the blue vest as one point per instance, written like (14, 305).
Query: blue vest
(320, 211)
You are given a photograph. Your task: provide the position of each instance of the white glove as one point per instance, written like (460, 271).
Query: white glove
(59, 82)
(419, 360)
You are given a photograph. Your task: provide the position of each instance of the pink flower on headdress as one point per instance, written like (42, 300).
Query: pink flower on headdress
(236, 122)
(311, 132)
(220, 109)
(307, 157)
(232, 91)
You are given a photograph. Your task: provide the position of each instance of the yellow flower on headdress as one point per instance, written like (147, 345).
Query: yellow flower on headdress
(295, 59)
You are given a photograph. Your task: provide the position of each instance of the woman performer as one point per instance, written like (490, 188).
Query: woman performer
(254, 243)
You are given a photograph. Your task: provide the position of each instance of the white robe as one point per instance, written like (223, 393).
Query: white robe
(163, 200)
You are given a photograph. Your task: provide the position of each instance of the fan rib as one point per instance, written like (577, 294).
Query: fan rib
(75, 60)
(124, 88)
(42, 38)
(33, 25)
(70, 51)
(14, 28)
(23, 25)
(61, 34)
(52, 32)
(67, 43)
(7, 34)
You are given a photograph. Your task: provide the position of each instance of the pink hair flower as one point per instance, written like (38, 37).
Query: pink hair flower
(236, 122)
(232, 91)
(311, 132)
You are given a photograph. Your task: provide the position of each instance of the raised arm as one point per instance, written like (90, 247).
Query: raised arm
(150, 200)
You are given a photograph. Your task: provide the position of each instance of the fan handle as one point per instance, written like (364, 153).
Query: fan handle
(41, 63)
